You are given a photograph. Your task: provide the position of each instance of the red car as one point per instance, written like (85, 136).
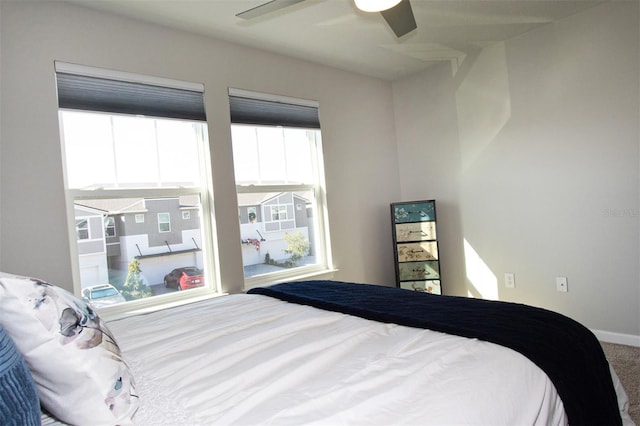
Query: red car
(184, 278)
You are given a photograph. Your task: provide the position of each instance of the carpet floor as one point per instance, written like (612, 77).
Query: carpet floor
(626, 363)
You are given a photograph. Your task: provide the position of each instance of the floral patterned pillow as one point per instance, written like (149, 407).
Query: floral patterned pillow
(75, 362)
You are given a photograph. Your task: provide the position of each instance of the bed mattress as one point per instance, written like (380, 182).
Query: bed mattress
(250, 359)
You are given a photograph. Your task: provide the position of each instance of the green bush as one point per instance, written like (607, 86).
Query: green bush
(297, 246)
(133, 287)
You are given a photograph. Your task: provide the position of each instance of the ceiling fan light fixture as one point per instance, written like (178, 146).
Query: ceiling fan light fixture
(375, 5)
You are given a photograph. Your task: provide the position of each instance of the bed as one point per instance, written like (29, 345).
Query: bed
(333, 353)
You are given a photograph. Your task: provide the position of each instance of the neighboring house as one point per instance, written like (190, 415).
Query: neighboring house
(164, 233)
(265, 218)
(161, 234)
(91, 239)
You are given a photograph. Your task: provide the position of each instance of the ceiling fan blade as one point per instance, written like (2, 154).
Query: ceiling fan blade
(400, 18)
(265, 8)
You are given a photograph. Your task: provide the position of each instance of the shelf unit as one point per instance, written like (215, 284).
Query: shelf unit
(415, 240)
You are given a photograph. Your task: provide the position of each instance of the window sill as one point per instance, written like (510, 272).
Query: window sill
(270, 279)
(156, 303)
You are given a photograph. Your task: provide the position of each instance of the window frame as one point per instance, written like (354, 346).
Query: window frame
(87, 228)
(203, 188)
(323, 257)
(107, 234)
(279, 213)
(324, 261)
(162, 221)
(156, 302)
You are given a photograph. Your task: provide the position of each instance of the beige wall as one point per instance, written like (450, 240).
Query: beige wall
(356, 114)
(532, 148)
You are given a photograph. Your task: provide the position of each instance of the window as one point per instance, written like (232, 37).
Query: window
(82, 229)
(277, 154)
(135, 145)
(278, 213)
(164, 222)
(109, 227)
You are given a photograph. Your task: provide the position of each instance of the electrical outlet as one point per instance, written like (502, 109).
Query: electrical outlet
(509, 280)
(561, 284)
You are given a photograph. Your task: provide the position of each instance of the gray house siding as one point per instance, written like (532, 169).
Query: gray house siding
(296, 212)
(300, 211)
(157, 237)
(96, 239)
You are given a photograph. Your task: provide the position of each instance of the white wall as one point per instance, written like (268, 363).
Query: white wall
(533, 149)
(356, 114)
(429, 157)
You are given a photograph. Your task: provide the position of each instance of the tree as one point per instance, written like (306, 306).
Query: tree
(297, 246)
(134, 287)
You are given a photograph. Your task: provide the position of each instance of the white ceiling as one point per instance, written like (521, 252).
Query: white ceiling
(335, 33)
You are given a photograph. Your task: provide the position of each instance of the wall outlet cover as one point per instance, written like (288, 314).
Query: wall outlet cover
(561, 284)
(509, 280)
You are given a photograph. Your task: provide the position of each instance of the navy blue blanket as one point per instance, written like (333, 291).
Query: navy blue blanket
(564, 349)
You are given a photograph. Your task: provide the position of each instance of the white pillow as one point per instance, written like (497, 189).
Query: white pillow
(75, 362)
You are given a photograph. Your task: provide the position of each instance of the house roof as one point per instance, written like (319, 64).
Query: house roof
(114, 205)
(138, 205)
(255, 199)
(132, 205)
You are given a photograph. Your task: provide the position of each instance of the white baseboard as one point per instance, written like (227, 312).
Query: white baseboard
(618, 338)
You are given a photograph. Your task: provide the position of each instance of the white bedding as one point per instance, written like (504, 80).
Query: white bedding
(250, 359)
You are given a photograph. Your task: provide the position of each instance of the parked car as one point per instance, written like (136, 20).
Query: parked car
(102, 295)
(184, 278)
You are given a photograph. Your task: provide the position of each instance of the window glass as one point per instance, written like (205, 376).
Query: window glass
(88, 138)
(273, 155)
(134, 141)
(114, 151)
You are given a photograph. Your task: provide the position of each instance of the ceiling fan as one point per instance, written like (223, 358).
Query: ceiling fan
(397, 13)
